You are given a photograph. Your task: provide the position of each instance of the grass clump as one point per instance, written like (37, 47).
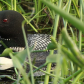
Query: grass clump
(45, 15)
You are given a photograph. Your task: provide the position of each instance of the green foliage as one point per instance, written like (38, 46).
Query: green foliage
(6, 52)
(45, 14)
(51, 58)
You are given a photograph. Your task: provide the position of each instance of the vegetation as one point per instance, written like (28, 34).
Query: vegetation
(63, 19)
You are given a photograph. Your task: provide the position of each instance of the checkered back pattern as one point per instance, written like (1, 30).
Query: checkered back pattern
(40, 42)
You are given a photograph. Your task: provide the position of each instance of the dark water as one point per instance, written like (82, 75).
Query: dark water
(6, 81)
(5, 75)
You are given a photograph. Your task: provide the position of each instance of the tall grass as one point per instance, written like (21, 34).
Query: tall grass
(69, 58)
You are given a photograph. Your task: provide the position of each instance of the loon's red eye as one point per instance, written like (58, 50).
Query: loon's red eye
(5, 20)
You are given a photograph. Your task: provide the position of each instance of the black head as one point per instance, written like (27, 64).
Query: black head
(10, 27)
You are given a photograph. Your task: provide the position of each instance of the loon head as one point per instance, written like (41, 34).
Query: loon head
(10, 28)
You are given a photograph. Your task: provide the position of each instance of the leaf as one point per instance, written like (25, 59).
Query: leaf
(51, 46)
(51, 58)
(21, 56)
(6, 52)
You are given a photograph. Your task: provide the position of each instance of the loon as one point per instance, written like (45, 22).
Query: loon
(11, 34)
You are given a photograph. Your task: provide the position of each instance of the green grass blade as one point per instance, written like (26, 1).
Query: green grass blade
(76, 22)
